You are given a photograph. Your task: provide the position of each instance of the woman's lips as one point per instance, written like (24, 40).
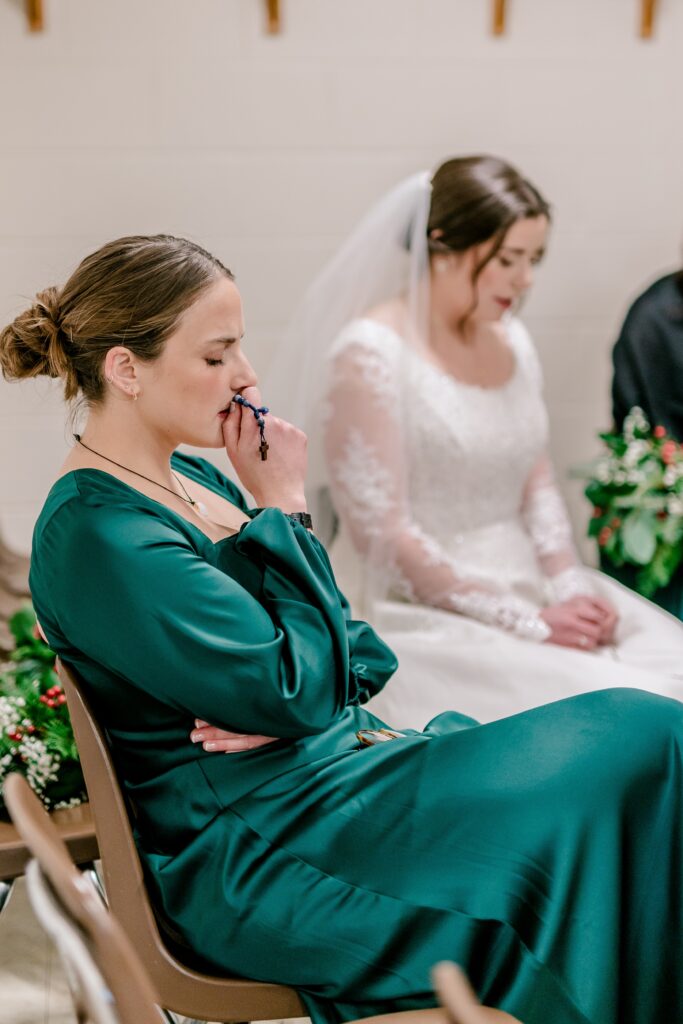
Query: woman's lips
(505, 303)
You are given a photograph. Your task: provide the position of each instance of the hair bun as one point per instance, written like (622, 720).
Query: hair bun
(34, 342)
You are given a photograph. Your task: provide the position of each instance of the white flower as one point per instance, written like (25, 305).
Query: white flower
(635, 452)
(75, 801)
(41, 766)
(635, 421)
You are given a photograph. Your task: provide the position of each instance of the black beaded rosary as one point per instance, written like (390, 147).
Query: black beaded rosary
(259, 413)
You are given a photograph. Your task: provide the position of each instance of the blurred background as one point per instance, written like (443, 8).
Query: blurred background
(186, 116)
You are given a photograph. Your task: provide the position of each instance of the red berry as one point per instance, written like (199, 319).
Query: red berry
(659, 431)
(61, 699)
(604, 536)
(662, 514)
(50, 702)
(669, 451)
(43, 698)
(597, 512)
(30, 728)
(616, 523)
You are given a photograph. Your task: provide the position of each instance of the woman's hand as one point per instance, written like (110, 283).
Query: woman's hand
(279, 480)
(579, 623)
(225, 742)
(610, 618)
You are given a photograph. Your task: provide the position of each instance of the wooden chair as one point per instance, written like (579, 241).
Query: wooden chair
(107, 982)
(459, 1004)
(459, 1001)
(76, 829)
(182, 989)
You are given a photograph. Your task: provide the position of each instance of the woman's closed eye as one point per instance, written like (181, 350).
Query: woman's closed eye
(213, 362)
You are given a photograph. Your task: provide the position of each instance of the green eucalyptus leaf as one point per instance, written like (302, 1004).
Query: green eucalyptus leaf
(638, 537)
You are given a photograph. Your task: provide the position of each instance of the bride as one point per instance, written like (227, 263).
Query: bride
(421, 393)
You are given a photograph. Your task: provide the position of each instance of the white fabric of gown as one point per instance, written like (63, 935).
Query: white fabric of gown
(480, 539)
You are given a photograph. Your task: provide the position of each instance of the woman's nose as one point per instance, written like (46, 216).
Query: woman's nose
(244, 375)
(525, 277)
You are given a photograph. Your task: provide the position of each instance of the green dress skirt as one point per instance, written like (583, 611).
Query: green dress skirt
(543, 852)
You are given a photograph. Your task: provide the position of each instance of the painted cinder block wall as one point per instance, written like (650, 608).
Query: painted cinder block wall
(184, 116)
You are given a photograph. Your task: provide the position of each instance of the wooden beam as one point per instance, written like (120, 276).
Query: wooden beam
(34, 13)
(498, 25)
(647, 18)
(273, 18)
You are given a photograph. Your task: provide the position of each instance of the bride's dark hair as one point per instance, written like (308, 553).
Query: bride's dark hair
(477, 198)
(130, 292)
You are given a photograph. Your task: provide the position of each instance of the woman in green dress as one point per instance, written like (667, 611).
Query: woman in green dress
(543, 851)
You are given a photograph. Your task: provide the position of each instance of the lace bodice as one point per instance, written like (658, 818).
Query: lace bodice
(444, 484)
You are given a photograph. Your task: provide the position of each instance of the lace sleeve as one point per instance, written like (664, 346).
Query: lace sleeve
(363, 444)
(547, 522)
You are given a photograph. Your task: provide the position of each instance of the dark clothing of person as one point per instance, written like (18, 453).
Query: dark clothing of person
(648, 357)
(648, 372)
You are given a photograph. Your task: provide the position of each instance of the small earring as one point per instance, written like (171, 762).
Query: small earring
(441, 264)
(133, 394)
(109, 380)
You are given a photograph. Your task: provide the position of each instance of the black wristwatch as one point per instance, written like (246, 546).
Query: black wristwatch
(301, 517)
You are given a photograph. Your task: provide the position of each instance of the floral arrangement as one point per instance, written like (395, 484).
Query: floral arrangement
(36, 738)
(636, 489)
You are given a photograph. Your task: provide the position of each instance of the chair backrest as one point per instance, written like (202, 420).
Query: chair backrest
(102, 967)
(181, 988)
(459, 1000)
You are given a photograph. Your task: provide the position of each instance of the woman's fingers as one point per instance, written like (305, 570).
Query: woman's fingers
(224, 741)
(252, 395)
(232, 425)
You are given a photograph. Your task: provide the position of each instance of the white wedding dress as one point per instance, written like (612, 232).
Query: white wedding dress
(460, 518)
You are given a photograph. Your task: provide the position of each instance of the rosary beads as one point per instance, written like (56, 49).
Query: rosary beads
(259, 413)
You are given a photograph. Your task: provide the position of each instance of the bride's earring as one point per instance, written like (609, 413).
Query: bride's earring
(440, 264)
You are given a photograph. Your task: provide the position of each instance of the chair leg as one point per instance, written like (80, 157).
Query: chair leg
(91, 871)
(5, 893)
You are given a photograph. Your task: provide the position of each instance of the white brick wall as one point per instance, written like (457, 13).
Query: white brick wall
(183, 116)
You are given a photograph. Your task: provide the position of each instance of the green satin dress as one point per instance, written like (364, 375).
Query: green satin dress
(543, 852)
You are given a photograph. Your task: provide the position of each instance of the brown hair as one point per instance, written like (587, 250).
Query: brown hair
(476, 198)
(130, 292)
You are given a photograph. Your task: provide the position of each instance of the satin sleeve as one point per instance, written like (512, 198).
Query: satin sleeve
(135, 595)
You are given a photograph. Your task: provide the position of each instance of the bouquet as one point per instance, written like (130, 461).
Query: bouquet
(636, 489)
(36, 738)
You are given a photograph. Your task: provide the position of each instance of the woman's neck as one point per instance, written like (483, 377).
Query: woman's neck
(445, 332)
(126, 440)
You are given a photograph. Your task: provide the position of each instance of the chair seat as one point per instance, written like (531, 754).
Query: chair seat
(76, 828)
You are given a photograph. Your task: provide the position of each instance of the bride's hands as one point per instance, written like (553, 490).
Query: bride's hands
(279, 481)
(610, 619)
(582, 622)
(225, 742)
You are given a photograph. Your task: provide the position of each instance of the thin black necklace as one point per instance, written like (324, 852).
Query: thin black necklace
(198, 506)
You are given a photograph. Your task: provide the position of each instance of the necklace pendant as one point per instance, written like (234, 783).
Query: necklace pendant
(201, 508)
(263, 449)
